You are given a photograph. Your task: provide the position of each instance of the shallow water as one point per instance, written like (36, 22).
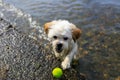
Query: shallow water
(100, 24)
(77, 11)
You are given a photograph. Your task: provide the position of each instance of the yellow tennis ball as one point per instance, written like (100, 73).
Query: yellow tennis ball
(57, 72)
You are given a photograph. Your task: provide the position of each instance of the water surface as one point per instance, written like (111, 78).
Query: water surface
(76, 11)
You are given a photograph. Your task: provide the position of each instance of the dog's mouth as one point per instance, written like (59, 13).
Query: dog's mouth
(59, 50)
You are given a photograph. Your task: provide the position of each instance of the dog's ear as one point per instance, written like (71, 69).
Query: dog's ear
(47, 26)
(76, 32)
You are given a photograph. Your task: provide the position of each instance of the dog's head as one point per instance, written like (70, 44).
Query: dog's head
(61, 33)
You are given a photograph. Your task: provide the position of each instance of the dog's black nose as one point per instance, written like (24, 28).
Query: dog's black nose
(59, 45)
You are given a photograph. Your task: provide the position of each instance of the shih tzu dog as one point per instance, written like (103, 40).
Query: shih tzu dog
(63, 36)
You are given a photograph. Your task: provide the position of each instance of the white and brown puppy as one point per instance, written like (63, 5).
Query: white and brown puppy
(63, 36)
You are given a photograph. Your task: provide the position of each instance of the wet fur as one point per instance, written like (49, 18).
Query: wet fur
(61, 29)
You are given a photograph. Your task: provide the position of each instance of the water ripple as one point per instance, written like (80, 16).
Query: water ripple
(80, 12)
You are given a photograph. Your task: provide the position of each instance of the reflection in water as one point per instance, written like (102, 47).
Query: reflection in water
(100, 24)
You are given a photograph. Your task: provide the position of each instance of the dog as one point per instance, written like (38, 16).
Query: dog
(63, 35)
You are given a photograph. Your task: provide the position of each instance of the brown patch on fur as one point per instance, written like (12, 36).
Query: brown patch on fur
(76, 32)
(47, 26)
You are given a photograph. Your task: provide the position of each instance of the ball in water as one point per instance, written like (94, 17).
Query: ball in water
(57, 72)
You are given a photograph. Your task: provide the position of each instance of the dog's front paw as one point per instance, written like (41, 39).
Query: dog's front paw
(65, 65)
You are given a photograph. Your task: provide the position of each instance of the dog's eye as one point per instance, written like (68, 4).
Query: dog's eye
(55, 37)
(65, 38)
